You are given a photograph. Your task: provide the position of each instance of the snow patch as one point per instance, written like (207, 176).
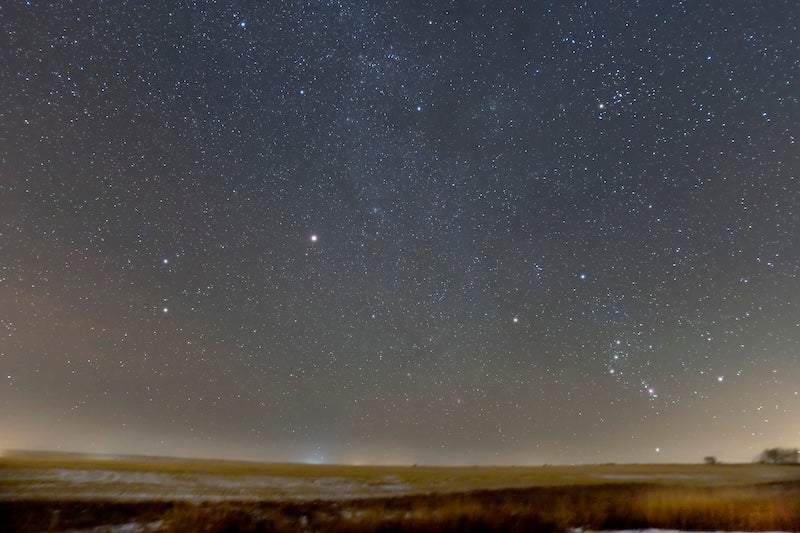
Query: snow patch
(130, 527)
(578, 530)
(138, 486)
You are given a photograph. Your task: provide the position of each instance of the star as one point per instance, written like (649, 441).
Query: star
(462, 190)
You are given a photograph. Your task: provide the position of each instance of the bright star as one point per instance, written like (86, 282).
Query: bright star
(314, 238)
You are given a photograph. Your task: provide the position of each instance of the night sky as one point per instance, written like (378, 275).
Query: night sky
(403, 232)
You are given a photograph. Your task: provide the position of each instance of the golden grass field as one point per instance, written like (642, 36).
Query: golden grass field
(40, 492)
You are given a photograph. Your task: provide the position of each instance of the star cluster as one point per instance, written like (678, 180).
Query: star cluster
(446, 232)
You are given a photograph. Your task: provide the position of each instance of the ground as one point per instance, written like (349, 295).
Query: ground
(173, 494)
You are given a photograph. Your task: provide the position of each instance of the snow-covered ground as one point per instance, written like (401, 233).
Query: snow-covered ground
(114, 480)
(131, 486)
(130, 527)
(666, 531)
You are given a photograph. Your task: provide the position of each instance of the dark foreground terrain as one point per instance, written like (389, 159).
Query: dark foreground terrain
(767, 507)
(128, 495)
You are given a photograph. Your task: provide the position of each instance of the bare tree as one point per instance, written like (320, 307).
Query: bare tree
(780, 456)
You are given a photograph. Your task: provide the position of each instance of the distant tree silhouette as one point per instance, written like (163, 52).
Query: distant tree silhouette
(710, 460)
(780, 456)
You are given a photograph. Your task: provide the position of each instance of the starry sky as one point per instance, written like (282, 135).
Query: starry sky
(400, 232)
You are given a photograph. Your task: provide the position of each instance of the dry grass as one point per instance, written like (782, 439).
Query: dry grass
(689, 497)
(546, 509)
(770, 507)
(751, 509)
(421, 479)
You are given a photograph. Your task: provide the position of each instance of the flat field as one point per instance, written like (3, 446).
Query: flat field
(41, 492)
